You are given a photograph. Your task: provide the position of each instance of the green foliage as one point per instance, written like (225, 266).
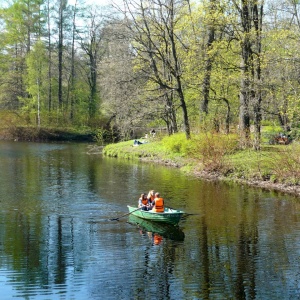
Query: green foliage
(104, 136)
(285, 165)
(25, 86)
(211, 149)
(36, 79)
(295, 134)
(176, 143)
(269, 133)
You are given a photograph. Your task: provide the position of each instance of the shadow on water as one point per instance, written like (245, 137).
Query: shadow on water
(165, 230)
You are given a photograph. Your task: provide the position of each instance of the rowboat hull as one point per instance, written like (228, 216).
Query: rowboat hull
(168, 231)
(169, 216)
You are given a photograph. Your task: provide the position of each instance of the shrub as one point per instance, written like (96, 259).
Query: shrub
(212, 148)
(176, 143)
(285, 166)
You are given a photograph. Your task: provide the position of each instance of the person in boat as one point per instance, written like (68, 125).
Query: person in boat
(151, 196)
(144, 202)
(158, 204)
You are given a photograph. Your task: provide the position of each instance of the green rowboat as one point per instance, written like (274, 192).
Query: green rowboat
(168, 231)
(169, 216)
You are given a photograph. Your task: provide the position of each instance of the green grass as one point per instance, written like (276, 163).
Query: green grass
(218, 154)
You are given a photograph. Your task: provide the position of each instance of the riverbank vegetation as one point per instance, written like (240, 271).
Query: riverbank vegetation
(218, 156)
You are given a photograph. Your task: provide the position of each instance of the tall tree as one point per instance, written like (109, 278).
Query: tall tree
(250, 33)
(211, 31)
(153, 25)
(48, 9)
(23, 23)
(91, 45)
(36, 81)
(73, 73)
(62, 6)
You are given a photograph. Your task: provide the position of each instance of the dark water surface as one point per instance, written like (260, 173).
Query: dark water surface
(57, 242)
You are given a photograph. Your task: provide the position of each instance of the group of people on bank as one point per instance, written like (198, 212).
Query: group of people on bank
(152, 202)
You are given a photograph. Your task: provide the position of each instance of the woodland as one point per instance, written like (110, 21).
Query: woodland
(178, 65)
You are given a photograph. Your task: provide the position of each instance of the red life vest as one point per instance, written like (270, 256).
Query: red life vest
(159, 205)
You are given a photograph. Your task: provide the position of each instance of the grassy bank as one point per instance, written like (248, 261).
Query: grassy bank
(218, 157)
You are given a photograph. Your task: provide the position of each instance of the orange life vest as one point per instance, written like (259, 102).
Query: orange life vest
(159, 205)
(157, 239)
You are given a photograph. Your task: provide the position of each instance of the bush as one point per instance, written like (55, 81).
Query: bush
(295, 134)
(285, 166)
(176, 143)
(212, 148)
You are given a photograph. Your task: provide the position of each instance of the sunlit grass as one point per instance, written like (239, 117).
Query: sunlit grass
(219, 154)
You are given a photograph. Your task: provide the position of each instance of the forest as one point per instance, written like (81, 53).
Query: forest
(182, 66)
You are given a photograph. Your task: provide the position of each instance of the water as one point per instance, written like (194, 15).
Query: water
(57, 240)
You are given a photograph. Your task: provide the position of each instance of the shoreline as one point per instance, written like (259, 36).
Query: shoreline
(263, 184)
(182, 163)
(33, 134)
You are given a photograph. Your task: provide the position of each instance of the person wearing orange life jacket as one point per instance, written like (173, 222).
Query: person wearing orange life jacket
(143, 202)
(158, 204)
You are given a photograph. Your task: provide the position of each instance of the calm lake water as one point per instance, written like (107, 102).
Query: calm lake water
(57, 240)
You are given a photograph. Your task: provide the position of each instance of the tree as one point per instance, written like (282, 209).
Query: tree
(91, 44)
(156, 42)
(73, 73)
(23, 22)
(249, 34)
(208, 62)
(121, 87)
(36, 81)
(62, 7)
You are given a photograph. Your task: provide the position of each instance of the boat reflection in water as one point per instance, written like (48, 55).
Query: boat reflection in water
(157, 231)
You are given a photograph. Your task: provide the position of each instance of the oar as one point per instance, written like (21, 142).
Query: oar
(116, 219)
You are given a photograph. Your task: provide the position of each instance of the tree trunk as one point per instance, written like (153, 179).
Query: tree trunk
(50, 60)
(171, 113)
(257, 15)
(208, 62)
(93, 86)
(60, 54)
(245, 89)
(177, 73)
(227, 119)
(73, 65)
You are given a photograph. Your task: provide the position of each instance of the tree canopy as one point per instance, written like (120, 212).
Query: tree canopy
(180, 65)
